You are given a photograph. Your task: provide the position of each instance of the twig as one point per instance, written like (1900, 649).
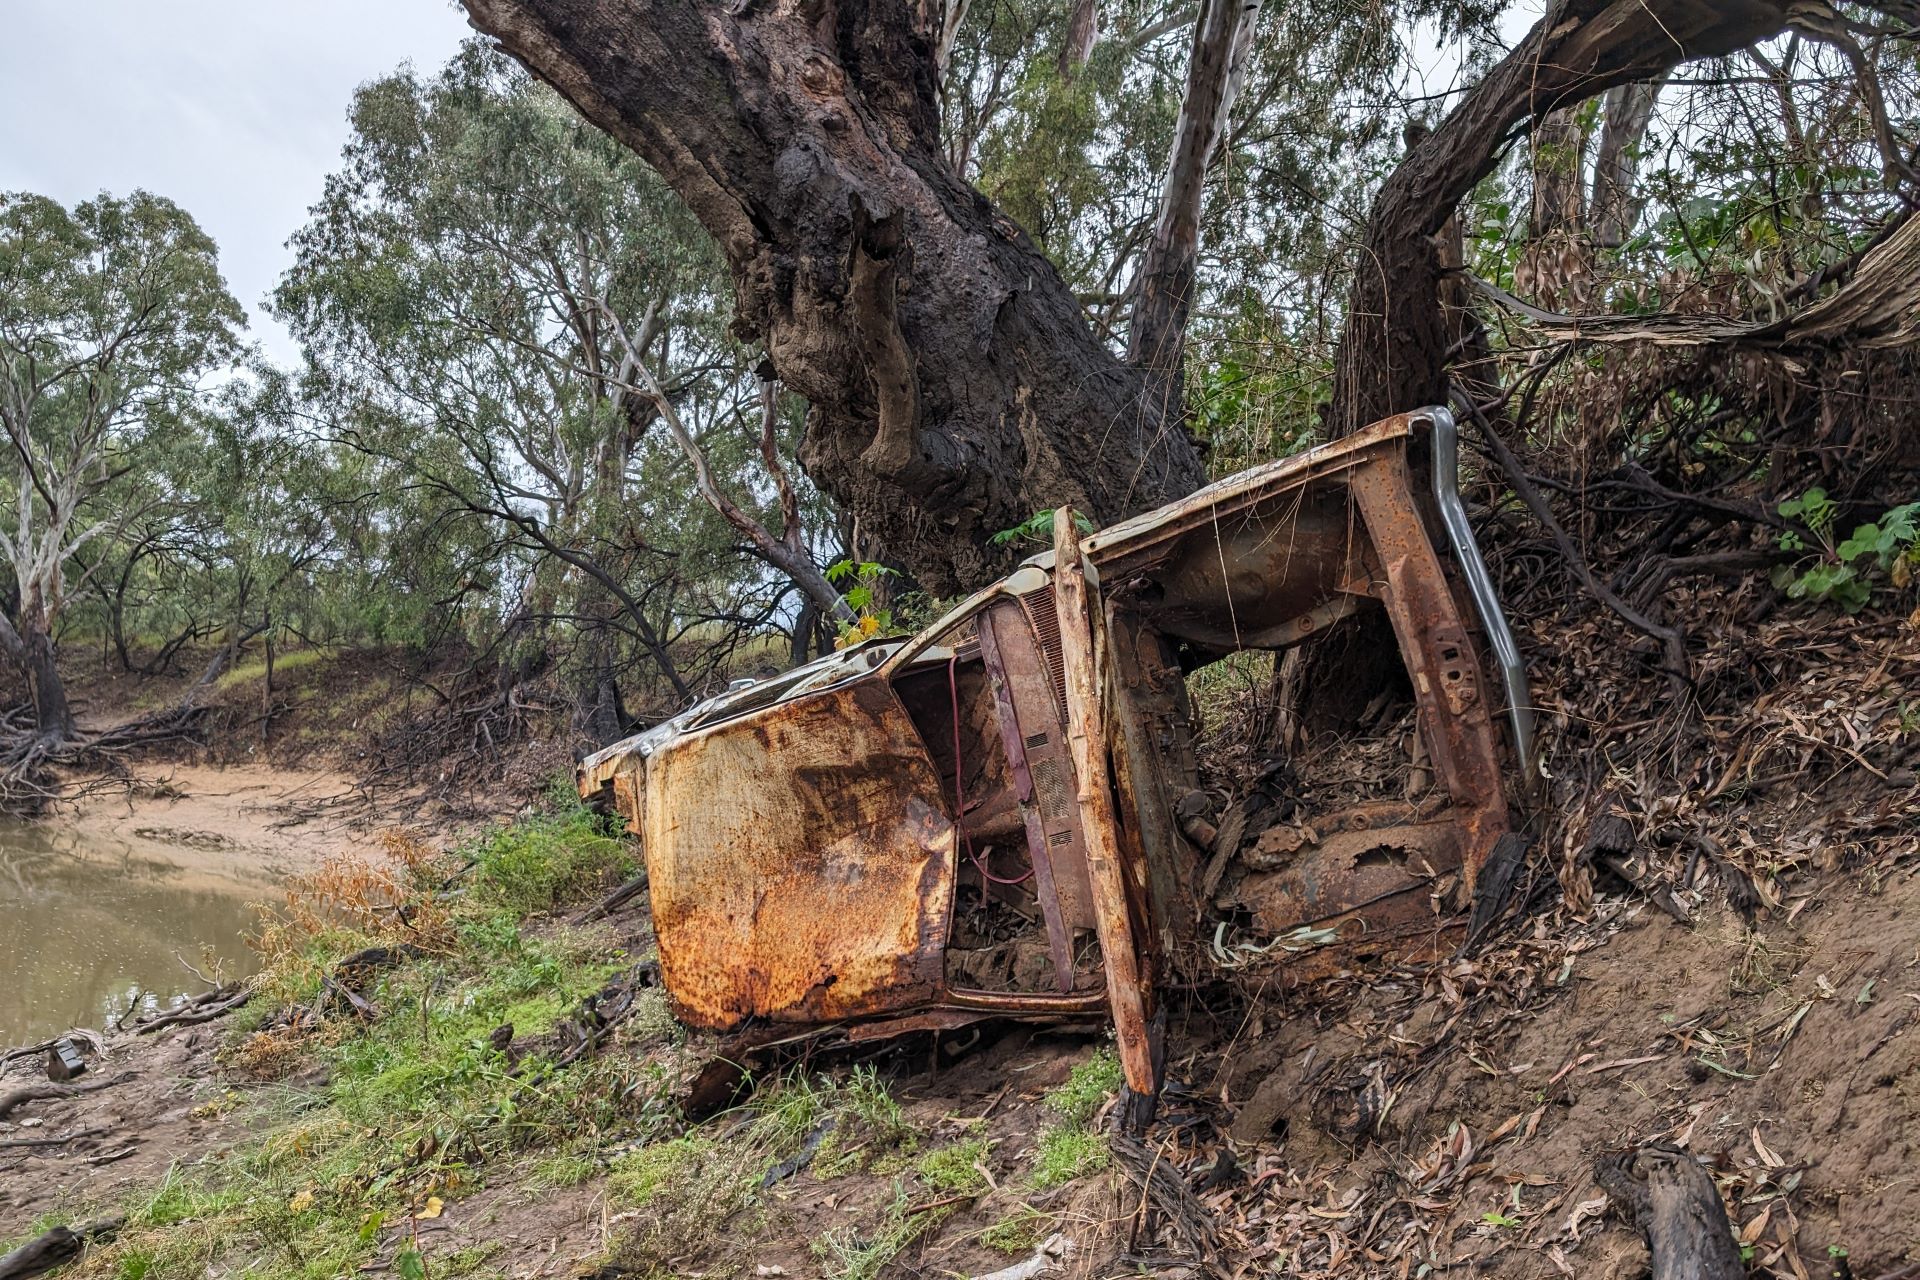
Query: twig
(1670, 639)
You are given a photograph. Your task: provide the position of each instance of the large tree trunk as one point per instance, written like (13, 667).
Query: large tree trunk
(1616, 204)
(52, 716)
(955, 387)
(30, 648)
(1393, 355)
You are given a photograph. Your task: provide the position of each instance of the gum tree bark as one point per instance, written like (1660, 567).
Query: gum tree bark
(1156, 334)
(955, 387)
(1393, 355)
(1615, 206)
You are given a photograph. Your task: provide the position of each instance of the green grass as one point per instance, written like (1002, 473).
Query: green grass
(1018, 1232)
(256, 668)
(849, 1253)
(418, 1104)
(1070, 1149)
(1087, 1089)
(703, 1194)
(540, 862)
(958, 1168)
(1066, 1154)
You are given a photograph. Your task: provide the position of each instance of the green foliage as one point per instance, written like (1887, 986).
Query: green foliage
(682, 1190)
(1018, 1232)
(1071, 1148)
(864, 588)
(468, 291)
(1038, 529)
(418, 1103)
(957, 1168)
(115, 330)
(1066, 1154)
(541, 861)
(1087, 1089)
(1846, 573)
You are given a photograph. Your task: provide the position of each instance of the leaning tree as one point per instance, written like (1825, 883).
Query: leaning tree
(955, 385)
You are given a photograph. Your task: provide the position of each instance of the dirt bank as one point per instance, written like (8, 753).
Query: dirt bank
(252, 820)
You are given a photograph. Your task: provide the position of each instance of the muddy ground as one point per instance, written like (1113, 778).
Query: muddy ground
(1392, 1122)
(1784, 1055)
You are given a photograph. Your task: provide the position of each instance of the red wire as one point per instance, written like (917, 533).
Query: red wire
(959, 784)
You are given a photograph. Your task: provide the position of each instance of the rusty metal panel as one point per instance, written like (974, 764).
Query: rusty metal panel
(1454, 715)
(1115, 880)
(801, 862)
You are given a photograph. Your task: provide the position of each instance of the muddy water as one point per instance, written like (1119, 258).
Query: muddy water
(91, 920)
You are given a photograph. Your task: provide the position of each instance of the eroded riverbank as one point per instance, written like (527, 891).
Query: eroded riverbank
(129, 894)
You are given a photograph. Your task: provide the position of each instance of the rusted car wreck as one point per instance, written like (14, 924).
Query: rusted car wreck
(999, 817)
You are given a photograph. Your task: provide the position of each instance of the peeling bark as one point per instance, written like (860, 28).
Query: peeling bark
(955, 386)
(1156, 335)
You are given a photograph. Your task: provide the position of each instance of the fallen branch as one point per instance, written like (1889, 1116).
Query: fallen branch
(200, 1008)
(38, 1092)
(54, 1248)
(1671, 1199)
(617, 899)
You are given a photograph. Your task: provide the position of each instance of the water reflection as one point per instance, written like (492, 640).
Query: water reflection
(87, 923)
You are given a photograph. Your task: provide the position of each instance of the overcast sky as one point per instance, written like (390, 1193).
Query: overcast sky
(234, 109)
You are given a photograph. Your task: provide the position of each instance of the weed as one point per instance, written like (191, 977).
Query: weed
(1018, 1232)
(849, 1254)
(957, 1168)
(1066, 1154)
(869, 1127)
(1071, 1149)
(537, 863)
(1087, 1089)
(1845, 572)
(872, 617)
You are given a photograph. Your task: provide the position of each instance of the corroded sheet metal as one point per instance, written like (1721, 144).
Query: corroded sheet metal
(1116, 883)
(799, 837)
(801, 862)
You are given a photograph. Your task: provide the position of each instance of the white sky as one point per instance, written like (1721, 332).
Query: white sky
(234, 109)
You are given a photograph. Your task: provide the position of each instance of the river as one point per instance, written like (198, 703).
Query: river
(114, 904)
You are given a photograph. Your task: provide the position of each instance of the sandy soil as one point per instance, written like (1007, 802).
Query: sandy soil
(253, 820)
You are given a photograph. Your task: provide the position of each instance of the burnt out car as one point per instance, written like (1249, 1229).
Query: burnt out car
(1002, 817)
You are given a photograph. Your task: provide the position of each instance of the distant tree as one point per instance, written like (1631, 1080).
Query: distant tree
(114, 322)
(510, 308)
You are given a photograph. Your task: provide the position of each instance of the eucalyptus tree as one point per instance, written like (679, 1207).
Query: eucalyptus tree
(499, 300)
(114, 327)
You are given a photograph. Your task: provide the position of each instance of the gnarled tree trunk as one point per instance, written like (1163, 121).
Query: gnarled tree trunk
(955, 387)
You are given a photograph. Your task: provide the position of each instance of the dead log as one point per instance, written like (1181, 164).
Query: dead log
(53, 1248)
(1670, 1198)
(39, 1092)
(197, 1009)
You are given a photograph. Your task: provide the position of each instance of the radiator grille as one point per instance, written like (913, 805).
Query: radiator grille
(1044, 617)
(1050, 789)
